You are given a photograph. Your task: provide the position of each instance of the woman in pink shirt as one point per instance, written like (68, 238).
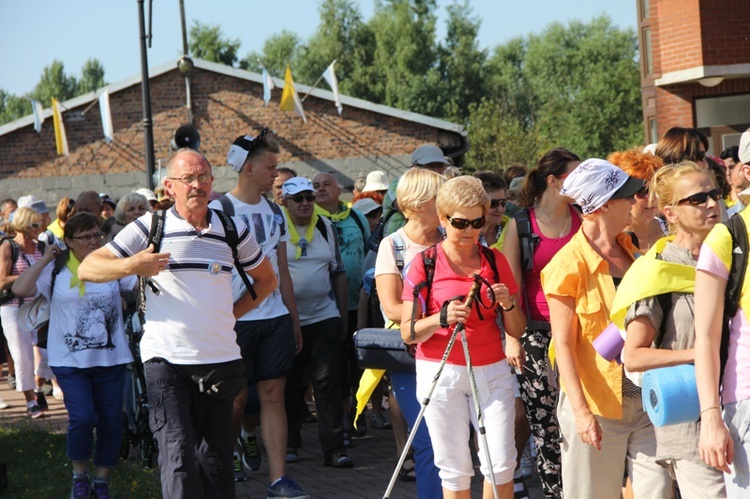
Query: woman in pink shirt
(552, 222)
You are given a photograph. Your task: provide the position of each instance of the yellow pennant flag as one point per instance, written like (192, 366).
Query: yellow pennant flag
(61, 140)
(289, 98)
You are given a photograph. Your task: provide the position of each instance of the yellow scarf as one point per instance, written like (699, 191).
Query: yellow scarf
(294, 236)
(649, 276)
(334, 217)
(72, 265)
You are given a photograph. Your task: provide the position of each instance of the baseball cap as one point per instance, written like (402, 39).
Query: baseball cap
(295, 185)
(147, 193)
(366, 205)
(596, 181)
(427, 154)
(241, 148)
(26, 201)
(744, 152)
(376, 181)
(39, 207)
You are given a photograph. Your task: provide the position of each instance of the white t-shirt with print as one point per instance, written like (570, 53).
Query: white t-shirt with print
(85, 331)
(269, 230)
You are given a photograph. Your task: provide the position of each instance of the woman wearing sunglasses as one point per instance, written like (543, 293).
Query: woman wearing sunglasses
(646, 226)
(462, 206)
(660, 324)
(552, 221)
(88, 351)
(27, 224)
(493, 232)
(602, 422)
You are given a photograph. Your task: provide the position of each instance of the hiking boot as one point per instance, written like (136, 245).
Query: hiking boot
(81, 488)
(251, 458)
(239, 473)
(34, 411)
(380, 422)
(100, 489)
(286, 487)
(41, 400)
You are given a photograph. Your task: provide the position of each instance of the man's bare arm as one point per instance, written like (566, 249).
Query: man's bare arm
(264, 282)
(103, 266)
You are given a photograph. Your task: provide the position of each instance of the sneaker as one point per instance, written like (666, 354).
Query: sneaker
(57, 393)
(100, 490)
(34, 411)
(81, 488)
(286, 487)
(292, 455)
(12, 382)
(251, 457)
(339, 460)
(3, 404)
(380, 422)
(239, 473)
(519, 489)
(41, 401)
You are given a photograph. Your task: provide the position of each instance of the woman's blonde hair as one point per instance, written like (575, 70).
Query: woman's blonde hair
(24, 217)
(462, 192)
(664, 183)
(416, 187)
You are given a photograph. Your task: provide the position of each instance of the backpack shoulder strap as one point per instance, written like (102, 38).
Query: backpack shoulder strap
(156, 233)
(428, 260)
(13, 249)
(230, 233)
(528, 240)
(276, 209)
(60, 261)
(398, 251)
(355, 215)
(227, 205)
(321, 226)
(489, 254)
(665, 302)
(736, 278)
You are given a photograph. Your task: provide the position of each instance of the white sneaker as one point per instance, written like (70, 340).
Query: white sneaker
(3, 404)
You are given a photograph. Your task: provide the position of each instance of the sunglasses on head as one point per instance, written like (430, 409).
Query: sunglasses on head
(310, 198)
(462, 223)
(494, 203)
(643, 193)
(701, 197)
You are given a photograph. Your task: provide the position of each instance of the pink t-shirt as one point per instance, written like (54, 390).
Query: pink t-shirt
(546, 248)
(484, 336)
(736, 380)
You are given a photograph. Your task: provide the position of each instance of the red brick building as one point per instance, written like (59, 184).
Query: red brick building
(226, 102)
(695, 67)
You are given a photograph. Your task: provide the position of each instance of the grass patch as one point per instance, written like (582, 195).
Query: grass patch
(38, 467)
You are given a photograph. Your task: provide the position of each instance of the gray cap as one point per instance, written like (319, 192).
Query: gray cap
(427, 154)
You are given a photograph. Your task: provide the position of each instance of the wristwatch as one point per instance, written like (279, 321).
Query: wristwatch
(513, 305)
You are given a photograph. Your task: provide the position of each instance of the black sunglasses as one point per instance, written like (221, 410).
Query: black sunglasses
(701, 197)
(462, 223)
(643, 193)
(310, 198)
(494, 203)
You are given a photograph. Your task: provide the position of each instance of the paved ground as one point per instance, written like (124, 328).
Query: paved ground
(374, 461)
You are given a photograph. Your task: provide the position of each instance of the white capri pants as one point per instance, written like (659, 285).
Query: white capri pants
(451, 410)
(21, 346)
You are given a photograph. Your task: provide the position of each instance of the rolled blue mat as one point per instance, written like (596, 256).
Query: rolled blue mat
(670, 395)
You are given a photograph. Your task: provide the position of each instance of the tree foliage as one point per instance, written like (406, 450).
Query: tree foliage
(208, 43)
(572, 85)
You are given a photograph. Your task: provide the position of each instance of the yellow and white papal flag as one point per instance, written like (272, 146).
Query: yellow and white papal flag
(60, 140)
(289, 97)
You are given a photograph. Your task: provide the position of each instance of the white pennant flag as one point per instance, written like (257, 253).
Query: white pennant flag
(268, 85)
(107, 128)
(330, 77)
(36, 106)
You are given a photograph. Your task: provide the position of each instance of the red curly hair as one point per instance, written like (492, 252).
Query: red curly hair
(641, 165)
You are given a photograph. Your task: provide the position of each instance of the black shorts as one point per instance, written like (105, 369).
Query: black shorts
(267, 347)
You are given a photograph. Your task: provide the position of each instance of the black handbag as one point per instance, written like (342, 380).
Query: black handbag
(379, 348)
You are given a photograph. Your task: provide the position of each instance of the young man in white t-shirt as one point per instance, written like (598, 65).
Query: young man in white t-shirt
(269, 335)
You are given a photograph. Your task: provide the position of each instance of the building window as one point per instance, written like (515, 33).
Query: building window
(644, 9)
(653, 131)
(648, 64)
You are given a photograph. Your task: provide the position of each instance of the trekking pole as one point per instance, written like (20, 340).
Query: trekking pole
(456, 330)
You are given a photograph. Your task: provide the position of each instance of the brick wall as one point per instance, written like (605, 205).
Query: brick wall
(223, 107)
(678, 42)
(725, 26)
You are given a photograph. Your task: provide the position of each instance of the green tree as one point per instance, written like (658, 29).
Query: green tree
(92, 76)
(208, 43)
(278, 51)
(54, 83)
(12, 107)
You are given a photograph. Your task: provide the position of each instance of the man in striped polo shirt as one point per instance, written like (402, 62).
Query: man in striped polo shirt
(189, 326)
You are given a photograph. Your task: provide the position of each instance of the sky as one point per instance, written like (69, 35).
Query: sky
(33, 33)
